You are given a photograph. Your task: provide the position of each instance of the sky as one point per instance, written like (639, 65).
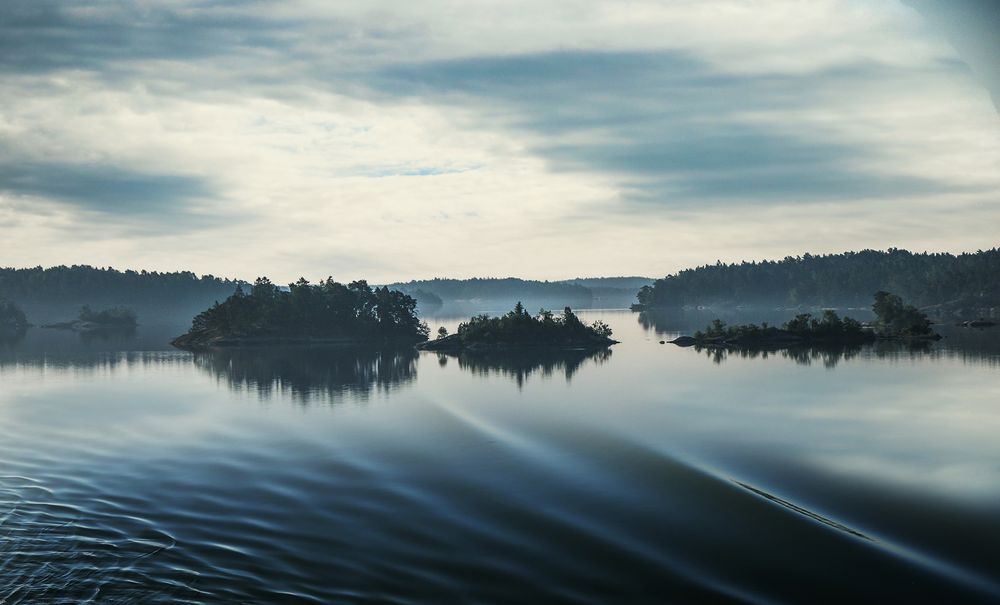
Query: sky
(394, 140)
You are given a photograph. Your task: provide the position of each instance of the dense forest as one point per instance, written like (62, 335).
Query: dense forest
(966, 283)
(328, 310)
(81, 284)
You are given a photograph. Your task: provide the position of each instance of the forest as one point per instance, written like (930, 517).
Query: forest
(328, 310)
(964, 283)
(83, 284)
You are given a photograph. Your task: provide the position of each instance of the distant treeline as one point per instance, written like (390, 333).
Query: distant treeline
(496, 289)
(966, 282)
(574, 292)
(82, 284)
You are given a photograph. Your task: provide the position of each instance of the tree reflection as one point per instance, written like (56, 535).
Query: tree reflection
(311, 373)
(520, 364)
(827, 355)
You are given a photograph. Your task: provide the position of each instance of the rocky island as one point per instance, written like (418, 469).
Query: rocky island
(324, 313)
(518, 329)
(894, 320)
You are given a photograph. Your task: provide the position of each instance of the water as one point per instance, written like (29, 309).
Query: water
(130, 473)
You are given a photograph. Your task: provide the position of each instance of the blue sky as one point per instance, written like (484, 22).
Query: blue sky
(394, 140)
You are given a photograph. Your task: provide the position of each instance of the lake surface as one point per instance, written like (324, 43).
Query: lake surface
(132, 473)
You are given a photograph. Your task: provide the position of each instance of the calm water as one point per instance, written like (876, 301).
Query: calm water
(130, 473)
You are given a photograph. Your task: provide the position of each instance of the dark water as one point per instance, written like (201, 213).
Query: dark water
(130, 473)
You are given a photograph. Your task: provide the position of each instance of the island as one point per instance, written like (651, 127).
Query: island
(519, 329)
(948, 287)
(324, 313)
(894, 320)
(13, 321)
(89, 320)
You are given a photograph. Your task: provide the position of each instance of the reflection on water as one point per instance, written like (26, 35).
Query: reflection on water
(520, 365)
(10, 338)
(826, 355)
(967, 345)
(136, 474)
(310, 373)
(120, 336)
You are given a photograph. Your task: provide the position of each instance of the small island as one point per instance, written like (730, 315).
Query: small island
(89, 320)
(894, 320)
(13, 321)
(324, 313)
(519, 329)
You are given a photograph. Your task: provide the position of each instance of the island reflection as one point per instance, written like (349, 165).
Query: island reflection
(969, 346)
(309, 374)
(827, 355)
(520, 364)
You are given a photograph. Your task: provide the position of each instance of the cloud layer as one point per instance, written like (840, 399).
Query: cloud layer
(392, 141)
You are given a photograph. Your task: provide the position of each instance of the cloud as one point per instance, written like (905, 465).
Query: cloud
(973, 28)
(393, 140)
(106, 189)
(45, 35)
(670, 128)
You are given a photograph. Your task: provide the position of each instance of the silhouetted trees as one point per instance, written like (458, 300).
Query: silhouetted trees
(325, 310)
(12, 318)
(895, 318)
(965, 281)
(82, 284)
(519, 327)
(829, 327)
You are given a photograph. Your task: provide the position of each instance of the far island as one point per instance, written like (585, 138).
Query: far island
(519, 329)
(324, 313)
(894, 320)
(89, 320)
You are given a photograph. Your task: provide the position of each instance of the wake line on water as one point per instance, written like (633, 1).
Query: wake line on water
(929, 562)
(804, 511)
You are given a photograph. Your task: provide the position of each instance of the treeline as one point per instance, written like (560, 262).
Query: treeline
(966, 282)
(632, 283)
(510, 288)
(83, 284)
(306, 311)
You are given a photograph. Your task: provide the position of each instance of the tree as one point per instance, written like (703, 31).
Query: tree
(325, 310)
(12, 318)
(894, 318)
(442, 332)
